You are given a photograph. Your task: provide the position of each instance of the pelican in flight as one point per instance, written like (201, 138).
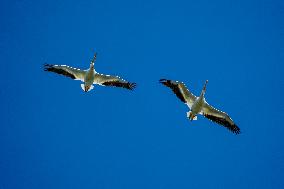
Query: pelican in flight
(198, 105)
(89, 76)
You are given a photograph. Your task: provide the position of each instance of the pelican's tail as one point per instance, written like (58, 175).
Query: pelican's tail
(86, 89)
(189, 116)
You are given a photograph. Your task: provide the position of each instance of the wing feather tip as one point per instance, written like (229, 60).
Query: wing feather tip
(51, 68)
(165, 82)
(123, 84)
(231, 127)
(236, 130)
(174, 86)
(47, 67)
(131, 86)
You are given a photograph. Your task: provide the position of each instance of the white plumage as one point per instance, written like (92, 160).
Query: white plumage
(89, 76)
(198, 105)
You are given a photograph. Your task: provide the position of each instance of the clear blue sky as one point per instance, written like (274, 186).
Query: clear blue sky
(54, 135)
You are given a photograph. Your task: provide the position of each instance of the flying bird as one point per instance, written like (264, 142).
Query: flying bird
(89, 76)
(198, 105)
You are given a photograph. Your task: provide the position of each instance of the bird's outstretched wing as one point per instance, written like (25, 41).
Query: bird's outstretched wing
(180, 91)
(67, 71)
(108, 80)
(220, 117)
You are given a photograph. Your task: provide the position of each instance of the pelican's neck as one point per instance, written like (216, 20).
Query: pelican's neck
(94, 58)
(203, 90)
(92, 66)
(92, 69)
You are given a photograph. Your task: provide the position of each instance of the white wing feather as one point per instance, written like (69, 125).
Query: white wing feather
(67, 71)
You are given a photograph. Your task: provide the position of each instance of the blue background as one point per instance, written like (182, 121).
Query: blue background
(54, 135)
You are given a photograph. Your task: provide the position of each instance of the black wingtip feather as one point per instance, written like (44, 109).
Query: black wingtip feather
(174, 87)
(128, 85)
(232, 127)
(50, 68)
(47, 67)
(165, 82)
(131, 86)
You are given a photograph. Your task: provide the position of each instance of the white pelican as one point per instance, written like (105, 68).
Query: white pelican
(198, 105)
(89, 76)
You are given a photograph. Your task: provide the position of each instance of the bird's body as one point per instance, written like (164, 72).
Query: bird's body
(89, 76)
(198, 105)
(89, 79)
